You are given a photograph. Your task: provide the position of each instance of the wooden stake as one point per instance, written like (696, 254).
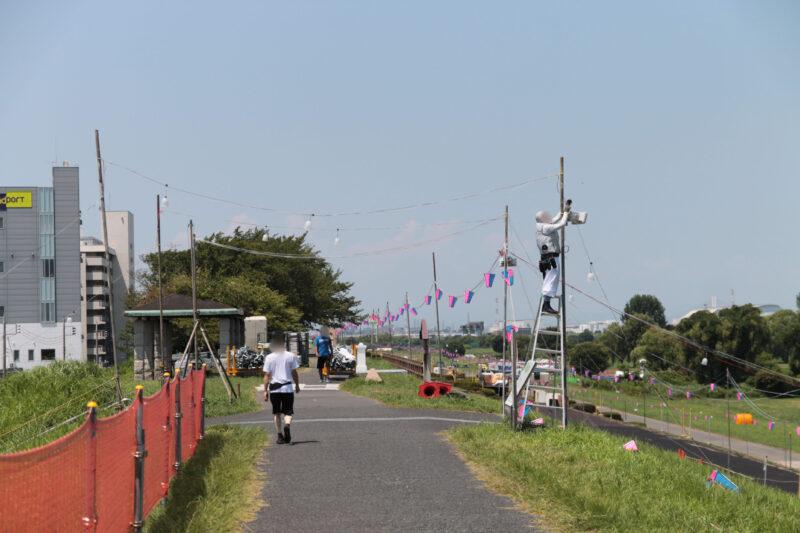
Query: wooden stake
(438, 330)
(222, 373)
(194, 288)
(167, 363)
(505, 310)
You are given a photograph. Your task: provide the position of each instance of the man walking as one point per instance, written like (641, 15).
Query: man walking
(324, 348)
(280, 369)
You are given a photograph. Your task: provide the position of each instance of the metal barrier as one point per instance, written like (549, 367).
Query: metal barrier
(103, 476)
(410, 365)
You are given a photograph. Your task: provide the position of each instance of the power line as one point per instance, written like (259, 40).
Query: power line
(340, 214)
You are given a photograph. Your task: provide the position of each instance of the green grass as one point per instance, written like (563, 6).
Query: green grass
(400, 390)
(581, 480)
(218, 489)
(782, 408)
(52, 394)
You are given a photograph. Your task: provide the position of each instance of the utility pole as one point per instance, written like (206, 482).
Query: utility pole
(4, 345)
(408, 328)
(164, 361)
(194, 289)
(108, 265)
(391, 340)
(728, 398)
(514, 378)
(505, 310)
(563, 308)
(438, 330)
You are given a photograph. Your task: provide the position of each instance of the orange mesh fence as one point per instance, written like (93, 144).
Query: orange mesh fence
(188, 435)
(85, 480)
(116, 444)
(158, 441)
(45, 489)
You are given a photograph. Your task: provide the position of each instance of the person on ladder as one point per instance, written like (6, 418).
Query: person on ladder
(549, 250)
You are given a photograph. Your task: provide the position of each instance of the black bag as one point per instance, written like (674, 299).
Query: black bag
(276, 386)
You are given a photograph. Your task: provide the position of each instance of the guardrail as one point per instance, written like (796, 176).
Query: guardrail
(410, 365)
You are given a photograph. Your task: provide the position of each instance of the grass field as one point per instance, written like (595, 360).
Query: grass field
(400, 390)
(48, 397)
(582, 480)
(218, 489)
(715, 408)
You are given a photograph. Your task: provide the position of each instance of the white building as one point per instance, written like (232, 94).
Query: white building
(96, 332)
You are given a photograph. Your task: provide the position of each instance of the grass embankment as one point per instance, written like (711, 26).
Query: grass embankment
(400, 390)
(218, 489)
(50, 395)
(699, 406)
(582, 480)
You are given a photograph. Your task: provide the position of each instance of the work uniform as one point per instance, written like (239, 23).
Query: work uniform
(549, 245)
(280, 365)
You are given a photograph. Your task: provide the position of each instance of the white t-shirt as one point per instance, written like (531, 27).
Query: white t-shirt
(280, 366)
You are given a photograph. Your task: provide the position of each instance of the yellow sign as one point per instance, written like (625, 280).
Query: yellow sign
(16, 199)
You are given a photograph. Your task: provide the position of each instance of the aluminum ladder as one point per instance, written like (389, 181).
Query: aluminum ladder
(552, 393)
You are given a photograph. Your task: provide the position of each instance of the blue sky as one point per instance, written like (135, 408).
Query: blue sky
(678, 122)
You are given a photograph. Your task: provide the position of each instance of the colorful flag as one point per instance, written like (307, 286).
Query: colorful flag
(713, 386)
(413, 311)
(468, 296)
(453, 300)
(508, 276)
(771, 425)
(428, 299)
(652, 380)
(669, 392)
(489, 279)
(688, 394)
(739, 396)
(438, 294)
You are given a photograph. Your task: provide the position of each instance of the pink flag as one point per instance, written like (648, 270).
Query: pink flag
(739, 396)
(755, 422)
(413, 311)
(631, 376)
(508, 276)
(428, 299)
(771, 425)
(630, 445)
(489, 278)
(616, 379)
(468, 296)
(688, 394)
(453, 300)
(438, 294)
(713, 386)
(652, 380)
(669, 392)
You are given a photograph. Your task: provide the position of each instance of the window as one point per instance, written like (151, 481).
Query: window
(2, 267)
(2, 310)
(48, 312)
(1, 222)
(16, 355)
(48, 268)
(30, 355)
(48, 354)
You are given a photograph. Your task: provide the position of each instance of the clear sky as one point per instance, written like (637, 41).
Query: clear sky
(678, 122)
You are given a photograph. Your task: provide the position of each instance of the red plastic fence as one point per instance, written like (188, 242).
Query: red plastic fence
(84, 481)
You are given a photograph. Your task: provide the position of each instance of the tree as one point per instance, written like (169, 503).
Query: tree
(456, 345)
(762, 382)
(646, 304)
(658, 348)
(497, 344)
(797, 301)
(743, 333)
(291, 293)
(612, 339)
(591, 356)
(705, 329)
(784, 329)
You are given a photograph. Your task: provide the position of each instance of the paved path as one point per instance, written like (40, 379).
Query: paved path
(357, 465)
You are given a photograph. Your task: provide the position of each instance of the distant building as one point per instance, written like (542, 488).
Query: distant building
(95, 310)
(594, 326)
(472, 328)
(524, 327)
(40, 270)
(766, 310)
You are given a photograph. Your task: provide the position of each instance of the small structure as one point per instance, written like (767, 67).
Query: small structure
(148, 361)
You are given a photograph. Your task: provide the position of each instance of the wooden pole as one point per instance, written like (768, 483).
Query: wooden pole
(505, 309)
(391, 340)
(4, 344)
(222, 373)
(109, 280)
(563, 308)
(164, 361)
(408, 328)
(438, 330)
(513, 378)
(194, 287)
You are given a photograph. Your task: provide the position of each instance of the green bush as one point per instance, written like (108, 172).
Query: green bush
(468, 384)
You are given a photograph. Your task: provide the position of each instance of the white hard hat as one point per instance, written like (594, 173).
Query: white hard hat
(544, 217)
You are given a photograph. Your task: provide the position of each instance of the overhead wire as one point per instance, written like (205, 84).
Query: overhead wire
(332, 214)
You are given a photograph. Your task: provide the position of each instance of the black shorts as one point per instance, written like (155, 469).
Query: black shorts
(321, 362)
(282, 403)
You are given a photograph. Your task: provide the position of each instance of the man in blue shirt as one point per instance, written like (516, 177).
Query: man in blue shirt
(324, 349)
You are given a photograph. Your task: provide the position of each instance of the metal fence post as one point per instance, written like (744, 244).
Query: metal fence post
(178, 415)
(90, 513)
(168, 428)
(139, 455)
(203, 405)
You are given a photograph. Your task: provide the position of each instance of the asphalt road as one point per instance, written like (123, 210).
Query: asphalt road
(357, 465)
